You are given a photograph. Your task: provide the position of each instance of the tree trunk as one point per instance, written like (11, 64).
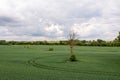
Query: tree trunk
(71, 50)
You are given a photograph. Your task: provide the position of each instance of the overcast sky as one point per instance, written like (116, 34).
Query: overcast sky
(53, 19)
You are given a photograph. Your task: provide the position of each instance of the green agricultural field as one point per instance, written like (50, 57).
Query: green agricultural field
(38, 63)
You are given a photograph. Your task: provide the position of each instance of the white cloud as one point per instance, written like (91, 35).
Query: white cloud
(54, 30)
(4, 32)
(96, 28)
(51, 19)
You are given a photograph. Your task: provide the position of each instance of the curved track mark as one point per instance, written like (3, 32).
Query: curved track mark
(38, 65)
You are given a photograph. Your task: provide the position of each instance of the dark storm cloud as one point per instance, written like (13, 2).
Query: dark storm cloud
(6, 21)
(11, 22)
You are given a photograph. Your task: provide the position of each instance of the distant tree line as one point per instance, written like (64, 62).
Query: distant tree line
(98, 42)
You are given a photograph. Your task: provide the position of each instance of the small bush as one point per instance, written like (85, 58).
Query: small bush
(26, 46)
(72, 58)
(51, 49)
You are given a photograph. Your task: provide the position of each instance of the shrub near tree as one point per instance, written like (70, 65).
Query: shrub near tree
(51, 49)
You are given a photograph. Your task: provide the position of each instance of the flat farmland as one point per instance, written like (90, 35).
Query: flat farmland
(36, 62)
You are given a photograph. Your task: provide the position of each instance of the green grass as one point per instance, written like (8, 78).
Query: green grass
(38, 63)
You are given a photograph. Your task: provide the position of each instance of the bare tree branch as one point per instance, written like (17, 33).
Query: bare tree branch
(72, 36)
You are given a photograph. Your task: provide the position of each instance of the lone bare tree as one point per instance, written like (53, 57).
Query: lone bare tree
(72, 36)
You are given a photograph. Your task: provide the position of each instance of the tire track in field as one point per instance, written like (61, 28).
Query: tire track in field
(38, 65)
